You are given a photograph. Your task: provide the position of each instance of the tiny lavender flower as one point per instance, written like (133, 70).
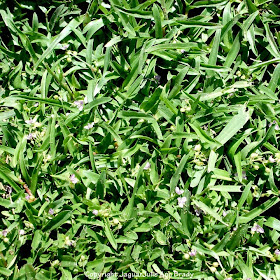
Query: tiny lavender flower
(244, 175)
(228, 278)
(89, 125)
(276, 125)
(277, 252)
(5, 232)
(95, 212)
(51, 211)
(192, 253)
(8, 190)
(30, 121)
(74, 179)
(271, 159)
(65, 47)
(80, 103)
(21, 232)
(31, 136)
(27, 197)
(257, 228)
(224, 213)
(197, 210)
(178, 191)
(157, 77)
(182, 201)
(147, 166)
(68, 242)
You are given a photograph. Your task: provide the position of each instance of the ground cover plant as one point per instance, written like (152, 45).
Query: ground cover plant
(139, 137)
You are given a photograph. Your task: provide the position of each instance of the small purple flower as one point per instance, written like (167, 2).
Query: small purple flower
(21, 232)
(157, 77)
(31, 121)
(277, 252)
(228, 278)
(80, 103)
(178, 191)
(4, 232)
(257, 228)
(182, 201)
(197, 210)
(95, 212)
(192, 253)
(147, 166)
(276, 125)
(74, 179)
(271, 159)
(244, 175)
(51, 211)
(89, 126)
(224, 213)
(27, 197)
(31, 136)
(8, 190)
(65, 47)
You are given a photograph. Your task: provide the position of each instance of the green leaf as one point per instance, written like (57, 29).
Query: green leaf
(233, 126)
(160, 238)
(109, 234)
(158, 27)
(273, 223)
(258, 210)
(58, 220)
(73, 24)
(209, 211)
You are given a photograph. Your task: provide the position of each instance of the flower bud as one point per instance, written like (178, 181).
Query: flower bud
(254, 155)
(215, 264)
(197, 147)
(213, 269)
(186, 256)
(55, 263)
(256, 167)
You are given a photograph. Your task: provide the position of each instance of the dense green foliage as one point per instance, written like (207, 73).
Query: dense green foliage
(139, 137)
